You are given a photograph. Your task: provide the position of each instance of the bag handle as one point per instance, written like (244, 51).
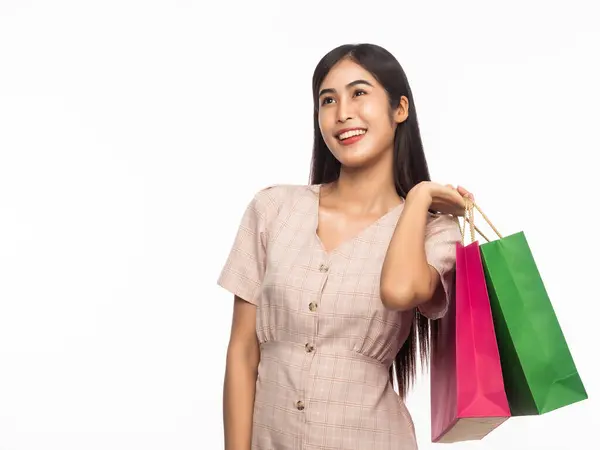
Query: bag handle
(469, 217)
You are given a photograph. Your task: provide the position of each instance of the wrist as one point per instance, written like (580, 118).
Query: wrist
(420, 195)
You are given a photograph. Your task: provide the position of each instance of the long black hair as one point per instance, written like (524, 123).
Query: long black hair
(409, 167)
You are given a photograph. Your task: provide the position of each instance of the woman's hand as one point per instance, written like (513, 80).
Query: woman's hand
(443, 198)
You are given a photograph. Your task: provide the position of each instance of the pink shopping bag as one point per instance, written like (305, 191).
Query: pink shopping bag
(468, 399)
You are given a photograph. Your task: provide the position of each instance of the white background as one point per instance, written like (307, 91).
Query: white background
(133, 134)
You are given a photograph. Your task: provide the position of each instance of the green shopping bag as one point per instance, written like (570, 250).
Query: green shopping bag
(538, 369)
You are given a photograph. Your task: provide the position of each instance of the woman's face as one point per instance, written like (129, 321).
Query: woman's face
(354, 115)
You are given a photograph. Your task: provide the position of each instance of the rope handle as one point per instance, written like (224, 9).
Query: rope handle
(470, 218)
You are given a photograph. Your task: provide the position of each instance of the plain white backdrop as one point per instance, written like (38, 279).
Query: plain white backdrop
(133, 134)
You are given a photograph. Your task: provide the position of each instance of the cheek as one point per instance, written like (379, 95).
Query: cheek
(368, 110)
(375, 113)
(325, 123)
(326, 128)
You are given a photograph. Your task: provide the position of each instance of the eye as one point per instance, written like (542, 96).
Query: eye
(359, 92)
(326, 100)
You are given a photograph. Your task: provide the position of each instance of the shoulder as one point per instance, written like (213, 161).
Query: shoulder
(273, 198)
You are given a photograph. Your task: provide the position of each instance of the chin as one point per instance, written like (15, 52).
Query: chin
(354, 157)
(355, 161)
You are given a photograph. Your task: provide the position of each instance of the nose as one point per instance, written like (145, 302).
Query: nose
(344, 112)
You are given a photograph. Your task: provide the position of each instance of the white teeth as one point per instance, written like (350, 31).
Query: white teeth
(349, 134)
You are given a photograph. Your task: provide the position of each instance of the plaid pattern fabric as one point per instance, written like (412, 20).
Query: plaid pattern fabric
(326, 340)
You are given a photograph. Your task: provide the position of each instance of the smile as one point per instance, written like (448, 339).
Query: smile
(351, 136)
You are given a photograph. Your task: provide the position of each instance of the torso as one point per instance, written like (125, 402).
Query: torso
(327, 342)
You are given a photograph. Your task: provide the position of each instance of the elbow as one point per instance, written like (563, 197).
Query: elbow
(398, 297)
(401, 297)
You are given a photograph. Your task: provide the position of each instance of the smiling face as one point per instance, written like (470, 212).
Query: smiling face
(355, 118)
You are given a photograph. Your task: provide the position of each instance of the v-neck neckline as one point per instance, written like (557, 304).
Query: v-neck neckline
(316, 188)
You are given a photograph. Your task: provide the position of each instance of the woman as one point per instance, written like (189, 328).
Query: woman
(334, 281)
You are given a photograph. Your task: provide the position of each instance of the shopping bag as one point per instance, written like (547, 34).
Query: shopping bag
(539, 372)
(468, 400)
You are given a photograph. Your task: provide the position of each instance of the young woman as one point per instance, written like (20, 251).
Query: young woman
(334, 281)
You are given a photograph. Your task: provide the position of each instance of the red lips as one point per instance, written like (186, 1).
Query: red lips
(345, 130)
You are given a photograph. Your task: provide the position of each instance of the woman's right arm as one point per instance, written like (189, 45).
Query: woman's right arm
(243, 355)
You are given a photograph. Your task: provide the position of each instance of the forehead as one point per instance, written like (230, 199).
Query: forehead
(345, 72)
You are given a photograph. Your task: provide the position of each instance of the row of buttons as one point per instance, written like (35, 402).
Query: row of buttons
(312, 306)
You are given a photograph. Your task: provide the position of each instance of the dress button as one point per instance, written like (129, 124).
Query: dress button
(323, 268)
(312, 306)
(309, 347)
(299, 405)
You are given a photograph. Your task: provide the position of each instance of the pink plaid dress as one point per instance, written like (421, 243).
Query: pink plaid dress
(326, 340)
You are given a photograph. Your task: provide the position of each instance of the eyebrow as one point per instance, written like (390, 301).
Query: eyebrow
(349, 85)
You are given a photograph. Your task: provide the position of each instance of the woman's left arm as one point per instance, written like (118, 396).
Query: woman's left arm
(407, 278)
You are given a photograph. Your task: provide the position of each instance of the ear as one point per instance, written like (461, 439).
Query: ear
(401, 112)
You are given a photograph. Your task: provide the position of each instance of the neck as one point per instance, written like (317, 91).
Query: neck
(368, 189)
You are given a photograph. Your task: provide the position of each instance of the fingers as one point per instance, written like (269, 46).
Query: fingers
(462, 191)
(465, 193)
(457, 197)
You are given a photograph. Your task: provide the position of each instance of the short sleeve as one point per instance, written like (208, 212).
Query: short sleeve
(244, 268)
(441, 236)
